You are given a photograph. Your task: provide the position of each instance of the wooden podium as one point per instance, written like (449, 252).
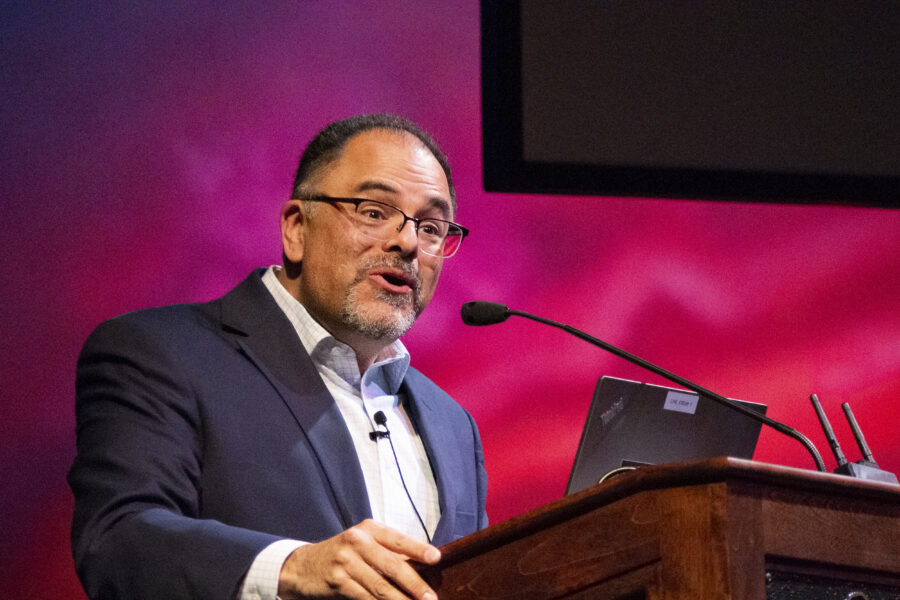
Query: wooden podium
(723, 528)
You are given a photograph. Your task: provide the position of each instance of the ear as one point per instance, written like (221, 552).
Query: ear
(292, 222)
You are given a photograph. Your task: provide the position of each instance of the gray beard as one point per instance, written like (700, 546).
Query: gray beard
(391, 327)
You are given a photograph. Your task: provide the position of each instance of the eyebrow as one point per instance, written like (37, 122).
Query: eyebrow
(375, 185)
(438, 202)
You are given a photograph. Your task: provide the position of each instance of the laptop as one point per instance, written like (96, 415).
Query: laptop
(632, 424)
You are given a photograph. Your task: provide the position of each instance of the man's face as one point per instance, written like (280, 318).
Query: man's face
(359, 288)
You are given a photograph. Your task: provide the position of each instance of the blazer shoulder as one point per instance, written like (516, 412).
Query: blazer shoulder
(166, 322)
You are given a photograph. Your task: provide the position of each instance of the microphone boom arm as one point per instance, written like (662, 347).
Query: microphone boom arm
(777, 425)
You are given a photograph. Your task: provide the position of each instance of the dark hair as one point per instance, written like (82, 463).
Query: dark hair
(326, 147)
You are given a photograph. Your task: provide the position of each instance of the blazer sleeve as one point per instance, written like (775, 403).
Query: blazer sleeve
(137, 530)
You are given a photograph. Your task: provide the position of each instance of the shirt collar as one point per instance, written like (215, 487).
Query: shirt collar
(327, 352)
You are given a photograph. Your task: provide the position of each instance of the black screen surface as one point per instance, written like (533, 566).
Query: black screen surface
(753, 101)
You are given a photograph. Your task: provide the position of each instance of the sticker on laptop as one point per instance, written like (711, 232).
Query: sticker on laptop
(681, 402)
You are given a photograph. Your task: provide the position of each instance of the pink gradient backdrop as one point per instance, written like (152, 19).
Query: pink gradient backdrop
(147, 151)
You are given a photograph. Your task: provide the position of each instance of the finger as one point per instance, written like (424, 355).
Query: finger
(402, 544)
(353, 590)
(386, 571)
(396, 586)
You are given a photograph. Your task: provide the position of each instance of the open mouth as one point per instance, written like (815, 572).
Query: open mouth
(396, 282)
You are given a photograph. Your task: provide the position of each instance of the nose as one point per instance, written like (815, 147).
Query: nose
(405, 240)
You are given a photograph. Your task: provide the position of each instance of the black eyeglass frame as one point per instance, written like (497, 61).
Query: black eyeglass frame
(416, 222)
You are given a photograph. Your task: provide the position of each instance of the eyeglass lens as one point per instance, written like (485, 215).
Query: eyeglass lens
(380, 221)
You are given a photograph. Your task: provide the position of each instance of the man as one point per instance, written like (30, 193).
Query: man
(232, 449)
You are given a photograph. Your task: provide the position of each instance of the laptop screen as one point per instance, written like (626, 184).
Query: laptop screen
(632, 423)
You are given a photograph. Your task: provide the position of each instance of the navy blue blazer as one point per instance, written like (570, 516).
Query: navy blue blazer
(204, 433)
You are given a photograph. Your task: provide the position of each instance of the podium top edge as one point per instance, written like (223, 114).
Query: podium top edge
(735, 473)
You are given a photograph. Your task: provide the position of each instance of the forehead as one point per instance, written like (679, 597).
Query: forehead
(391, 161)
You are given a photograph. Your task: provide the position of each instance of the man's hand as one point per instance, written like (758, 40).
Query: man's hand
(367, 561)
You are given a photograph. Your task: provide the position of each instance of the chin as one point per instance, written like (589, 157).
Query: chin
(383, 322)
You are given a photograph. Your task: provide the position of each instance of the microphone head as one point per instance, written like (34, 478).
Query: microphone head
(483, 313)
(380, 419)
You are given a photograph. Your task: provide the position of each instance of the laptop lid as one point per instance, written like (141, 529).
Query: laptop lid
(633, 423)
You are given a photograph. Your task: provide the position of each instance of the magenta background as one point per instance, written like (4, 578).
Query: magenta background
(146, 153)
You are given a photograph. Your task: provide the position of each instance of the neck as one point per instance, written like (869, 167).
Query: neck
(365, 359)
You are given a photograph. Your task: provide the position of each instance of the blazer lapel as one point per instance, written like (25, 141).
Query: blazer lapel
(269, 340)
(438, 439)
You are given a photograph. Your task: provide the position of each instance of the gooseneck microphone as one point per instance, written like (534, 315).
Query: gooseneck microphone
(381, 420)
(489, 313)
(485, 313)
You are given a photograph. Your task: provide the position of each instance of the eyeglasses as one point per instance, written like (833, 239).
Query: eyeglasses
(381, 221)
